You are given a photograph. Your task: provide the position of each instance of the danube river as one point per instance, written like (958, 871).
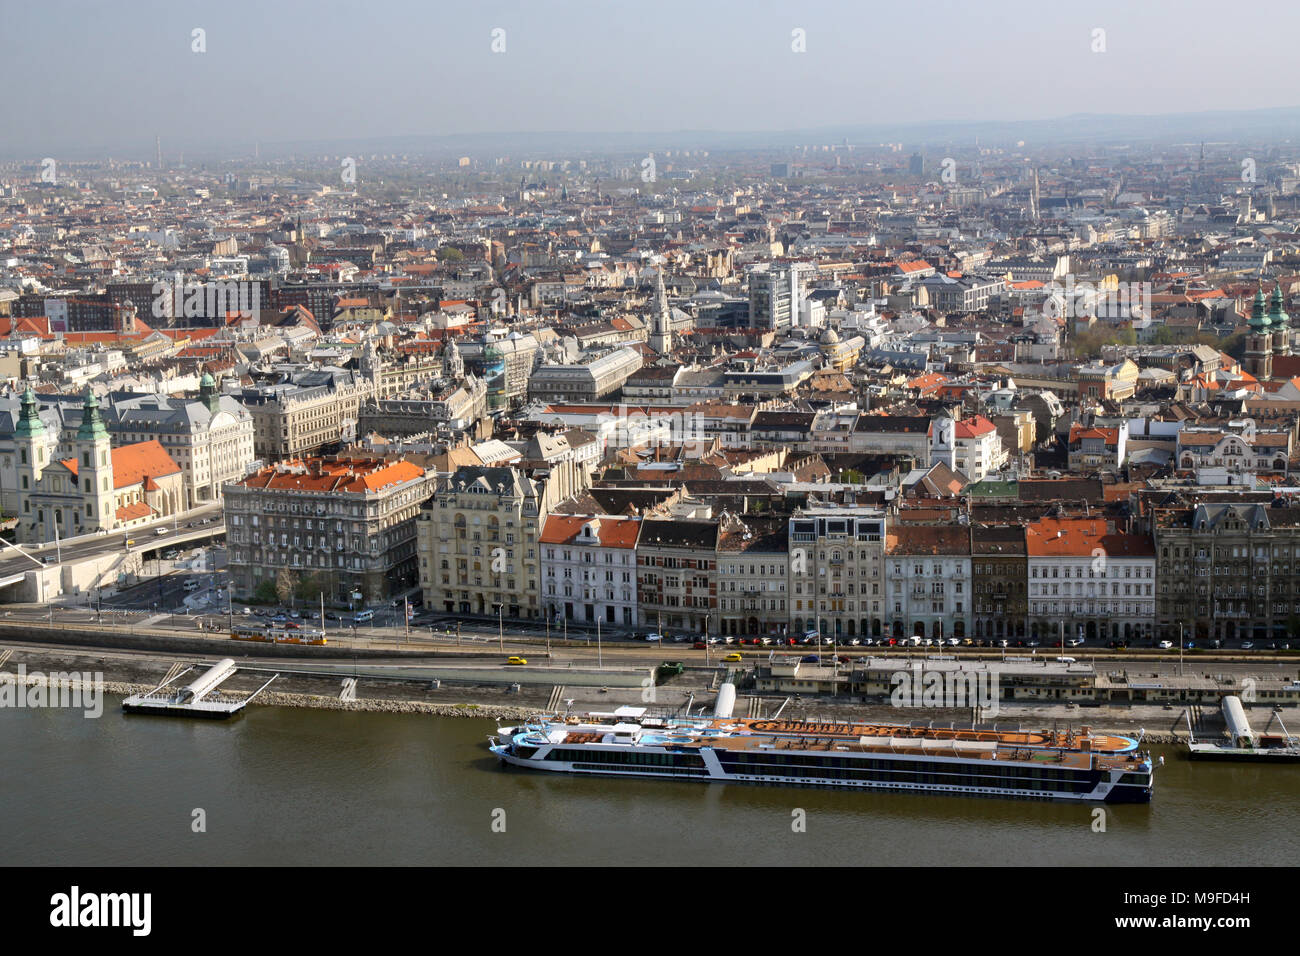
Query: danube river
(283, 786)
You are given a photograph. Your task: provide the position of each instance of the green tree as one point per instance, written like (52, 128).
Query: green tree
(265, 593)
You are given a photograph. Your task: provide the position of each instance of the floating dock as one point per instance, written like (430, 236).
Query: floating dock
(1241, 742)
(199, 698)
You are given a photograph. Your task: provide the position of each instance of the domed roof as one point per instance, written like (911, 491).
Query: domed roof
(830, 337)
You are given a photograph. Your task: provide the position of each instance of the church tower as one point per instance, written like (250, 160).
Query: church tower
(29, 444)
(943, 446)
(1279, 322)
(1259, 340)
(94, 467)
(661, 329)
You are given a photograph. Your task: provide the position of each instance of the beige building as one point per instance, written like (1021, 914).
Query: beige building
(316, 407)
(478, 538)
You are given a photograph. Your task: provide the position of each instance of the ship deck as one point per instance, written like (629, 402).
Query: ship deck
(1062, 749)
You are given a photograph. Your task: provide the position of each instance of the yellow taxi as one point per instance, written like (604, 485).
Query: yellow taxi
(733, 657)
(517, 660)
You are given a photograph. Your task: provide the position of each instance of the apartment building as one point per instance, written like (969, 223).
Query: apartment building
(677, 572)
(837, 576)
(928, 573)
(753, 576)
(1101, 582)
(479, 538)
(340, 527)
(1227, 571)
(589, 569)
(999, 581)
(314, 408)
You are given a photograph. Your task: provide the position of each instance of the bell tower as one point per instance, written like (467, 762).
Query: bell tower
(94, 467)
(661, 335)
(1279, 322)
(1259, 340)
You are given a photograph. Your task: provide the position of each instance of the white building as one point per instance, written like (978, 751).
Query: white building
(589, 569)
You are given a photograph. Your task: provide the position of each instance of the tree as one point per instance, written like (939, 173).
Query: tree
(450, 254)
(285, 582)
(265, 593)
(311, 586)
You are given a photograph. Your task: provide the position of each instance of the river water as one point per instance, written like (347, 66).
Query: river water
(287, 786)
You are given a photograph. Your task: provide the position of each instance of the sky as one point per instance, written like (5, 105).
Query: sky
(105, 76)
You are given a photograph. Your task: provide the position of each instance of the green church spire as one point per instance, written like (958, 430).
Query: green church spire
(92, 425)
(1259, 312)
(29, 421)
(1277, 316)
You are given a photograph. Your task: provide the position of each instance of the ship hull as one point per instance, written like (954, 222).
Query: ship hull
(1105, 792)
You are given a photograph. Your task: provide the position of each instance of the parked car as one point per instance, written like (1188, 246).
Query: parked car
(1165, 645)
(653, 637)
(700, 646)
(1247, 645)
(1075, 642)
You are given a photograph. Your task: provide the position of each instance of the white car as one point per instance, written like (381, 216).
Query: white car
(654, 637)
(954, 641)
(1075, 642)
(1166, 644)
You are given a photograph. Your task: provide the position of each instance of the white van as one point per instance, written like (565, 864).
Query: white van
(364, 616)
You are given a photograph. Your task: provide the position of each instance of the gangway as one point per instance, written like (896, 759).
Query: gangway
(199, 698)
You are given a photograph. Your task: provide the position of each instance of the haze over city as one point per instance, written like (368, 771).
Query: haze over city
(347, 72)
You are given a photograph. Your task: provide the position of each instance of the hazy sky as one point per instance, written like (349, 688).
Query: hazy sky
(86, 77)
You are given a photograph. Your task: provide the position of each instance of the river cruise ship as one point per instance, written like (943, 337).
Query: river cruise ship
(1041, 765)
